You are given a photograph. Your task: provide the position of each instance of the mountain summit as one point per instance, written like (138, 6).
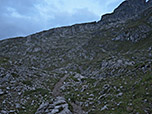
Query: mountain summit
(100, 67)
(127, 9)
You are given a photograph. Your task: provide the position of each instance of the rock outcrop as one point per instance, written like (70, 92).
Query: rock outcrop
(127, 9)
(59, 106)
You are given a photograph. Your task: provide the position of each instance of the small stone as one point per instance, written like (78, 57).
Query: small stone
(18, 105)
(90, 103)
(120, 61)
(121, 87)
(129, 109)
(43, 105)
(59, 102)
(4, 102)
(102, 96)
(90, 99)
(86, 105)
(65, 105)
(54, 111)
(147, 93)
(104, 108)
(57, 107)
(7, 88)
(145, 100)
(130, 104)
(19, 93)
(51, 106)
(4, 112)
(1, 92)
(11, 111)
(120, 94)
(119, 103)
(91, 95)
(113, 108)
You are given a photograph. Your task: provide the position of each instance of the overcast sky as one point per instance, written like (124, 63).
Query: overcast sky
(24, 17)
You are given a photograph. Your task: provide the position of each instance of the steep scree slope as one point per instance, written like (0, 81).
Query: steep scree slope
(107, 64)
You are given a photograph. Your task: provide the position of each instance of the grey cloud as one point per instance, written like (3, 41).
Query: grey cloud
(11, 26)
(21, 6)
(17, 28)
(80, 16)
(29, 19)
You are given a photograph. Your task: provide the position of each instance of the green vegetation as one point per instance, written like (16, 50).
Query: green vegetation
(30, 108)
(27, 82)
(136, 94)
(15, 75)
(36, 91)
(34, 100)
(118, 75)
(3, 59)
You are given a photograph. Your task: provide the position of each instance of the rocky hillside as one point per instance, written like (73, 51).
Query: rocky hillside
(101, 67)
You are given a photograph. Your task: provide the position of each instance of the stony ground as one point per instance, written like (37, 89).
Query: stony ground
(94, 68)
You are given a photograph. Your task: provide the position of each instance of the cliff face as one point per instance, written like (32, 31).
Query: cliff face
(97, 68)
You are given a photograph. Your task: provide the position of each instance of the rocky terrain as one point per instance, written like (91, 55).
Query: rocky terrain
(100, 67)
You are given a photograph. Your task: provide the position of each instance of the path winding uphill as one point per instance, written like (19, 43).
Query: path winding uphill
(59, 104)
(77, 109)
(57, 93)
(104, 67)
(56, 90)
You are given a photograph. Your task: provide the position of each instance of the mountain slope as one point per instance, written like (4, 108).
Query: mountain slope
(107, 64)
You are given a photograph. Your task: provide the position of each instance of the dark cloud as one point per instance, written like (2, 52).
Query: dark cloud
(24, 17)
(13, 17)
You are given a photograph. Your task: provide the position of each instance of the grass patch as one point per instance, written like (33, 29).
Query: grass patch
(3, 60)
(27, 82)
(15, 75)
(36, 91)
(135, 90)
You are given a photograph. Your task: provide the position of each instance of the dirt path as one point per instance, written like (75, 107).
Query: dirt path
(77, 109)
(58, 85)
(57, 92)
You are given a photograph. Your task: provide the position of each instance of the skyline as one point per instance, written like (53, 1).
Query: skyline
(22, 18)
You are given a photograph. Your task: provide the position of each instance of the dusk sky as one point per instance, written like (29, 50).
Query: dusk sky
(24, 17)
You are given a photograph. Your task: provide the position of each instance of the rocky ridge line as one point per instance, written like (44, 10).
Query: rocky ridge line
(126, 10)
